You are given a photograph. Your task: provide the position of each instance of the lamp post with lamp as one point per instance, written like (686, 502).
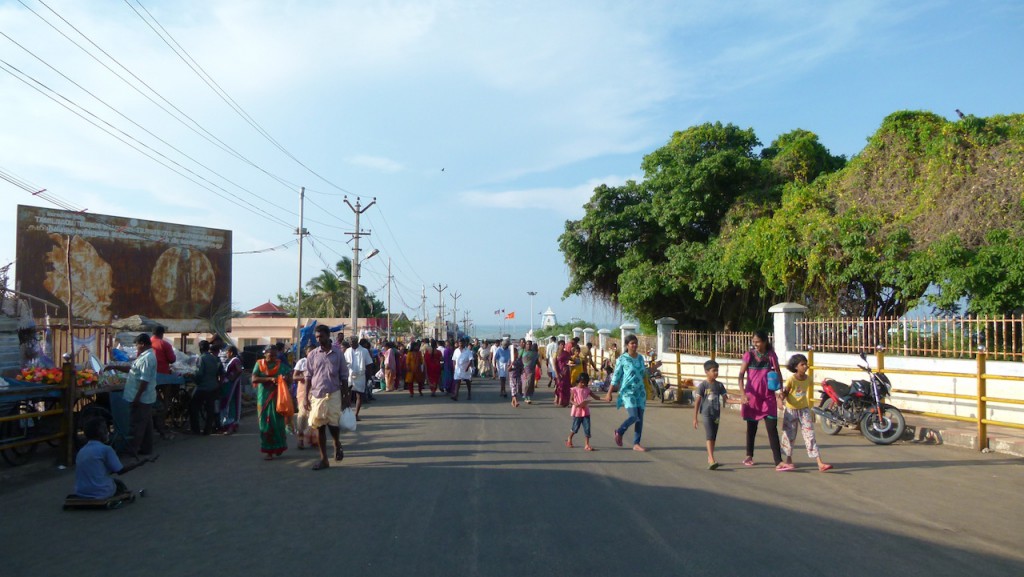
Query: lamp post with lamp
(532, 294)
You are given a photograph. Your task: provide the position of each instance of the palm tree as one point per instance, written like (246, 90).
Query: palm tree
(329, 295)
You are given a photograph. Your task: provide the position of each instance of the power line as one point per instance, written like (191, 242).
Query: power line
(144, 129)
(220, 92)
(14, 71)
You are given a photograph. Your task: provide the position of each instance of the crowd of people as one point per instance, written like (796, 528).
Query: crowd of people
(339, 374)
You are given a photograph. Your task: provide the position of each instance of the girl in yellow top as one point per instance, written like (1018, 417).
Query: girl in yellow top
(795, 395)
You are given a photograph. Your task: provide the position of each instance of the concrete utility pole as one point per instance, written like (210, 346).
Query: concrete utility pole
(302, 232)
(455, 311)
(354, 294)
(440, 309)
(423, 306)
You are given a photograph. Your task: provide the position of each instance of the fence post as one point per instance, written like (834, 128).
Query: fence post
(67, 426)
(879, 358)
(982, 408)
(810, 375)
(785, 317)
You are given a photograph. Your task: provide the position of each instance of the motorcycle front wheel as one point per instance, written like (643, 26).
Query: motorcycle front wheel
(884, 430)
(829, 426)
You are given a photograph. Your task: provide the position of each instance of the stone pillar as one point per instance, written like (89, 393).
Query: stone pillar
(784, 338)
(562, 336)
(665, 327)
(627, 329)
(588, 335)
(602, 339)
(577, 333)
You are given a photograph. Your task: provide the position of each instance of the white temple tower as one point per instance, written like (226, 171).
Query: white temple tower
(549, 319)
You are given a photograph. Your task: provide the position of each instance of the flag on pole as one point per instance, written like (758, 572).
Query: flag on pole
(511, 315)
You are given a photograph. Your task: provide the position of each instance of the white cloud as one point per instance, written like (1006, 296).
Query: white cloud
(568, 201)
(375, 162)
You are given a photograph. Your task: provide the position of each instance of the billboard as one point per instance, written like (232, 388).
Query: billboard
(123, 266)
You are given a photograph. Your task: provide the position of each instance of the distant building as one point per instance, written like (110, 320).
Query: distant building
(549, 319)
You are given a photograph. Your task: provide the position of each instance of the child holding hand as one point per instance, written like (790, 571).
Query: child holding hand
(581, 396)
(711, 395)
(798, 414)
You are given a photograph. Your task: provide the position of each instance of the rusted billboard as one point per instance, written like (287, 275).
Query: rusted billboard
(123, 266)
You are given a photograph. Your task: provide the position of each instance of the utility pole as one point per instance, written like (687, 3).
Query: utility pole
(423, 307)
(354, 294)
(440, 309)
(465, 322)
(302, 232)
(455, 311)
(389, 298)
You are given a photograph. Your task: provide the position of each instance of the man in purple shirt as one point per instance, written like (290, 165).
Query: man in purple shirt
(325, 394)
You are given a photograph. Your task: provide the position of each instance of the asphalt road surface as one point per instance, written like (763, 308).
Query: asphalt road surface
(434, 487)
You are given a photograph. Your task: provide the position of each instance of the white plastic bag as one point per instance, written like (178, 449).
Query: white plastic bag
(348, 419)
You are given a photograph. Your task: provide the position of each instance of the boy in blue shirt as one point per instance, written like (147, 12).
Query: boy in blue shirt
(95, 462)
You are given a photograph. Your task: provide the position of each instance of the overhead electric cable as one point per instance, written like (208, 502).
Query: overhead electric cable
(144, 129)
(203, 75)
(15, 72)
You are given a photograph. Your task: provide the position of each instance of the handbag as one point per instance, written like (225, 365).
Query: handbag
(284, 404)
(348, 419)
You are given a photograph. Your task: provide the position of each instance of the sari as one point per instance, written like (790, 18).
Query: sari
(231, 395)
(273, 440)
(562, 386)
(447, 370)
(432, 364)
(577, 369)
(414, 370)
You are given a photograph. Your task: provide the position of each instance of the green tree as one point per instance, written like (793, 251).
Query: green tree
(718, 232)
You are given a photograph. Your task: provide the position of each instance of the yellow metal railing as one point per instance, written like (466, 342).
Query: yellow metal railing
(980, 398)
(63, 409)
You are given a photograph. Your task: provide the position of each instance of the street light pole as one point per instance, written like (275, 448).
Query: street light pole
(532, 294)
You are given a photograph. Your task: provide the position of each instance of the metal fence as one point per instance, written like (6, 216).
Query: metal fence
(954, 337)
(711, 345)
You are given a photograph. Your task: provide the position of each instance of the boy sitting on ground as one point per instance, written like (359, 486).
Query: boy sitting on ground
(95, 462)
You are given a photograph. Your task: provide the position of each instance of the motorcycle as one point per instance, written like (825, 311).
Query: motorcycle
(861, 404)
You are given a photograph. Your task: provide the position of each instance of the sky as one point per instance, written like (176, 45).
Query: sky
(478, 127)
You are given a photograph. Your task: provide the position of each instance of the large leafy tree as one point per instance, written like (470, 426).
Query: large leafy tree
(718, 231)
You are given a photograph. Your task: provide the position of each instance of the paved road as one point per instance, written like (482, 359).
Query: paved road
(432, 487)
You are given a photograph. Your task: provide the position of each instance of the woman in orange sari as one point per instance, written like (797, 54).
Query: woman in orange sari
(414, 368)
(273, 440)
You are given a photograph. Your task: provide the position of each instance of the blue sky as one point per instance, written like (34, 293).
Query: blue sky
(527, 106)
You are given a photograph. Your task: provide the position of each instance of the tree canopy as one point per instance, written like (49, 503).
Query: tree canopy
(720, 227)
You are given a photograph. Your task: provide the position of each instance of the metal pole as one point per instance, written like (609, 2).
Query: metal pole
(301, 232)
(532, 294)
(389, 298)
(70, 379)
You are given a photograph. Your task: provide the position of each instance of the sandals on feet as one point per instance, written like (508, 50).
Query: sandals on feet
(339, 454)
(321, 465)
(824, 468)
(749, 462)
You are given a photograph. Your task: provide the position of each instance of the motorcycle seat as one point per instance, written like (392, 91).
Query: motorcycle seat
(841, 389)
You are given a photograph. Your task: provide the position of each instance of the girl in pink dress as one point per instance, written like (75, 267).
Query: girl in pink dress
(581, 398)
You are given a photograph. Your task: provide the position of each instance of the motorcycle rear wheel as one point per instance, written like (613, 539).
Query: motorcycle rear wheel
(829, 426)
(885, 430)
